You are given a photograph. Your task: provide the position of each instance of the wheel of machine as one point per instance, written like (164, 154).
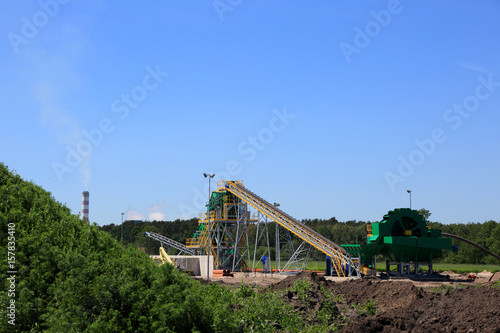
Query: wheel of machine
(405, 222)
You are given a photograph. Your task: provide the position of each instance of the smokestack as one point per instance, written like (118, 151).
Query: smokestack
(85, 205)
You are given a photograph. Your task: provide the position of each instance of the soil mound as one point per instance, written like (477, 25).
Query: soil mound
(387, 294)
(473, 309)
(288, 283)
(401, 306)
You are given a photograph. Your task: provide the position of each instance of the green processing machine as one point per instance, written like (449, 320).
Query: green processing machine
(404, 239)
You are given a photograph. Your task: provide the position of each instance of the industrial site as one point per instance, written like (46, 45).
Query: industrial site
(243, 268)
(222, 243)
(225, 251)
(233, 166)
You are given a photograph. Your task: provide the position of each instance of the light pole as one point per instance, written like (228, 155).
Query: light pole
(209, 240)
(409, 191)
(277, 256)
(122, 228)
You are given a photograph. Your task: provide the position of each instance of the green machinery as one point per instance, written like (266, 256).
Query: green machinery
(404, 239)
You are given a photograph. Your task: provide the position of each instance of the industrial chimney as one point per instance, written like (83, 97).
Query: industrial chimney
(85, 205)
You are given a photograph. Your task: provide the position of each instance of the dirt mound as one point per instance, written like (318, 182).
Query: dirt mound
(401, 306)
(473, 309)
(387, 294)
(316, 300)
(288, 283)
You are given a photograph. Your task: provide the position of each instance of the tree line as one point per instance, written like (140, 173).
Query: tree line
(485, 234)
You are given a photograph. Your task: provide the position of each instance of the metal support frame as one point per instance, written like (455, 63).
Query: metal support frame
(230, 235)
(284, 250)
(262, 234)
(241, 255)
(299, 258)
(408, 268)
(294, 259)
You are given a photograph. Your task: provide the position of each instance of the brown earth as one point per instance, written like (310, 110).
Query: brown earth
(403, 305)
(472, 309)
(388, 295)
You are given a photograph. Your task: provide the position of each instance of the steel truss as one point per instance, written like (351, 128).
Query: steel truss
(262, 236)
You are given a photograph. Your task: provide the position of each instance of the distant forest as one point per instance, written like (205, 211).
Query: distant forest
(486, 234)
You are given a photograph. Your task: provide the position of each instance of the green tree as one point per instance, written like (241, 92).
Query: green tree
(425, 213)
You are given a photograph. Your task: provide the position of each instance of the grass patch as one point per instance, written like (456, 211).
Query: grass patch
(316, 265)
(448, 287)
(441, 288)
(466, 268)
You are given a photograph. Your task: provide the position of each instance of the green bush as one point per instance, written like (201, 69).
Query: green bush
(301, 287)
(72, 277)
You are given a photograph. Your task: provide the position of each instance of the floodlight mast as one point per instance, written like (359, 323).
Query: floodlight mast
(209, 240)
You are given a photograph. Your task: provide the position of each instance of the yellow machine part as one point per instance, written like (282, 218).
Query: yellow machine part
(164, 257)
(367, 270)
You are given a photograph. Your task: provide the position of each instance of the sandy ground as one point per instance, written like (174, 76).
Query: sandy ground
(265, 280)
(254, 279)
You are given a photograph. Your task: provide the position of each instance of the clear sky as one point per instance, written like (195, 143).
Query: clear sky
(331, 108)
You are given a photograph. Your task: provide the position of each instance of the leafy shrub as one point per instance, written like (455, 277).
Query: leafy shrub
(370, 308)
(301, 287)
(73, 277)
(328, 313)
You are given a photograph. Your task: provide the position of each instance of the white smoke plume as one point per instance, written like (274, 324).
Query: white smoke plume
(134, 215)
(156, 212)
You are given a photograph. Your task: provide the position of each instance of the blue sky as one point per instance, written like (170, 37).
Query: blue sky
(332, 109)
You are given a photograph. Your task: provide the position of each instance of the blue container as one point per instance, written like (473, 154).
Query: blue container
(328, 271)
